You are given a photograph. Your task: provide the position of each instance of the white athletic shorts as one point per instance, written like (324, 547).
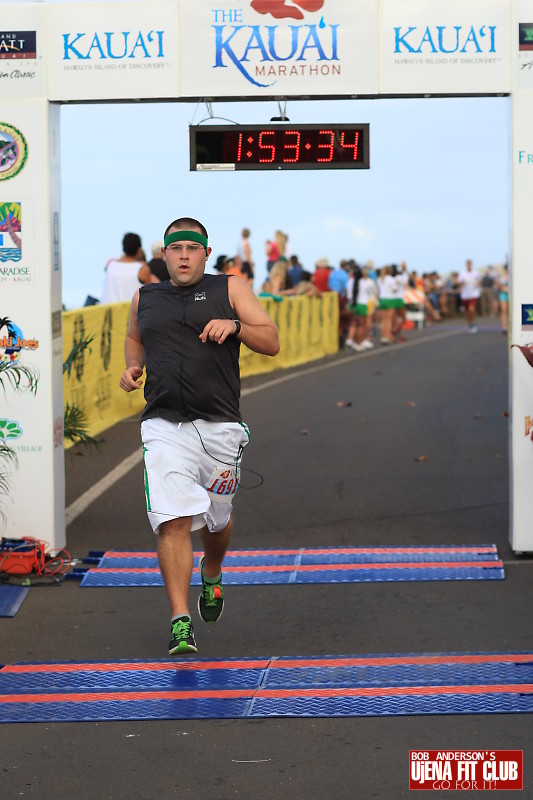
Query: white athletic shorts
(191, 470)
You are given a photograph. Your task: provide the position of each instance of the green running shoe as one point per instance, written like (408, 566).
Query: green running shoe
(211, 600)
(182, 637)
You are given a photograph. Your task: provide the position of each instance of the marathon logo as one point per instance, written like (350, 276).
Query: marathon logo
(465, 770)
(18, 44)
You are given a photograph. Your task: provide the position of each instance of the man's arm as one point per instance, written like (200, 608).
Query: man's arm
(258, 332)
(133, 351)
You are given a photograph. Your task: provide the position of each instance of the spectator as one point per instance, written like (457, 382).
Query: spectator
(305, 287)
(296, 271)
(244, 251)
(503, 297)
(157, 265)
(230, 266)
(361, 290)
(276, 249)
(320, 276)
(470, 288)
(487, 294)
(338, 282)
(452, 294)
(388, 292)
(124, 275)
(401, 276)
(276, 282)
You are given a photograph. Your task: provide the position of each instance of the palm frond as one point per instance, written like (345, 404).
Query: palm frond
(75, 426)
(19, 377)
(77, 349)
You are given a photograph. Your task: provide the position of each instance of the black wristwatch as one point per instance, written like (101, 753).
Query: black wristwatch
(237, 327)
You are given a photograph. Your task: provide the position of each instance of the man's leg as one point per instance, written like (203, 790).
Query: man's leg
(175, 553)
(215, 547)
(211, 599)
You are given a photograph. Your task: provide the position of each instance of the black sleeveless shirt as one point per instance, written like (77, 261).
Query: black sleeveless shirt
(188, 379)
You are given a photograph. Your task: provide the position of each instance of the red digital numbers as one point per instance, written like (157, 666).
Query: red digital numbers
(272, 156)
(326, 145)
(302, 146)
(355, 145)
(295, 146)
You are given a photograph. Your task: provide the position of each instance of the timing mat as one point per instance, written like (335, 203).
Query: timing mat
(325, 686)
(311, 565)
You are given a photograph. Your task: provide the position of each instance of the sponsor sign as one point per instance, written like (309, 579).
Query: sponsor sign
(22, 50)
(268, 47)
(13, 342)
(522, 44)
(466, 770)
(18, 45)
(13, 151)
(527, 316)
(444, 48)
(113, 51)
(15, 258)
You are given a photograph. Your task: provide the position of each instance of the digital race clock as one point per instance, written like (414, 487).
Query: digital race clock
(274, 146)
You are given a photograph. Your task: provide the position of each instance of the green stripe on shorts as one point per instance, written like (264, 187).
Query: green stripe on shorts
(146, 486)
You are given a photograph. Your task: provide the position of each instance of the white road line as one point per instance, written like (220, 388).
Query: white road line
(84, 501)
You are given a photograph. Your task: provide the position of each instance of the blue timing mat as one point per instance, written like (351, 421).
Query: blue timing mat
(314, 565)
(11, 599)
(326, 686)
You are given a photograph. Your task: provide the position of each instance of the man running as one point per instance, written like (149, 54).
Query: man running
(187, 332)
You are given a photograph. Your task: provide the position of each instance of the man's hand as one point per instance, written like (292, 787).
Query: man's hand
(218, 330)
(129, 380)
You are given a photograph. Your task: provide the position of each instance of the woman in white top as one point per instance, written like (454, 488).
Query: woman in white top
(388, 294)
(402, 279)
(124, 275)
(361, 289)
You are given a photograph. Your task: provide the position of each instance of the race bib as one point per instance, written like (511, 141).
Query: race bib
(223, 483)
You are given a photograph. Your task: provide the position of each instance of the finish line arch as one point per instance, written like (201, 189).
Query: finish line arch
(191, 50)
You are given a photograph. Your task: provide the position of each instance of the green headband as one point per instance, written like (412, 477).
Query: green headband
(190, 236)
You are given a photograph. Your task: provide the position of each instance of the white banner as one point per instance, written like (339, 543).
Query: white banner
(113, 51)
(22, 51)
(521, 330)
(265, 48)
(450, 47)
(30, 321)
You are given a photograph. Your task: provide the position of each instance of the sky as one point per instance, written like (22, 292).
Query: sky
(437, 191)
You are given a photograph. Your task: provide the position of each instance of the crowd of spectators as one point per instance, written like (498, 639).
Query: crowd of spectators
(371, 300)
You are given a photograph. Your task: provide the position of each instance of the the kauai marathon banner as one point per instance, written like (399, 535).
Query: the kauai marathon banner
(278, 47)
(212, 49)
(234, 49)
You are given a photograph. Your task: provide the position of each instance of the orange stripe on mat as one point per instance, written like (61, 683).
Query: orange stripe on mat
(320, 567)
(232, 694)
(317, 551)
(295, 663)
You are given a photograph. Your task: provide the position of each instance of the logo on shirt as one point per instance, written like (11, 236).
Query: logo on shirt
(200, 296)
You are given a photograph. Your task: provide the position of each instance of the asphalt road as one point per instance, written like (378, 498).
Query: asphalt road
(337, 448)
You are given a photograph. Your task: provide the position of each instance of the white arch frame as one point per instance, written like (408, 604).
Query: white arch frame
(233, 49)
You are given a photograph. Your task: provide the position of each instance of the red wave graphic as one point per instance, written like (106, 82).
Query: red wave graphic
(527, 352)
(281, 9)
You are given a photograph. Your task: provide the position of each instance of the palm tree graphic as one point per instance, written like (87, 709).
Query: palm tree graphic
(9, 212)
